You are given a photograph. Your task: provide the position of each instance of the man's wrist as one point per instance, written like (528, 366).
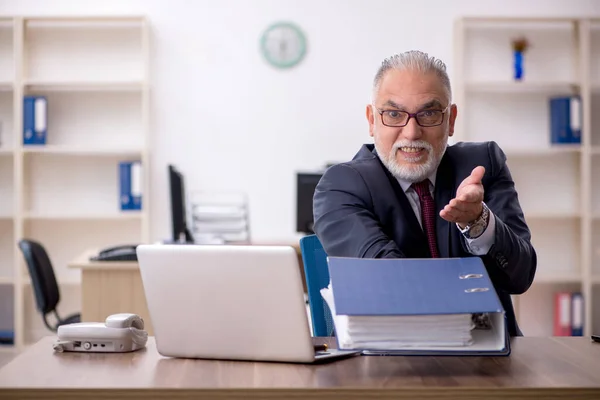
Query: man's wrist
(463, 225)
(475, 228)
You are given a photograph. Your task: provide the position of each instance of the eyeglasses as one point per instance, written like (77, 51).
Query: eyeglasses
(426, 118)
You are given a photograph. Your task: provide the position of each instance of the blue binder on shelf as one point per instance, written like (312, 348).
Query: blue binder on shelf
(7, 337)
(130, 185)
(383, 288)
(565, 119)
(35, 120)
(577, 314)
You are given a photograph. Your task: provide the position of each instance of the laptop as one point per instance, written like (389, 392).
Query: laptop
(228, 302)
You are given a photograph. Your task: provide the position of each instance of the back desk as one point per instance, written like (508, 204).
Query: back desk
(110, 287)
(539, 368)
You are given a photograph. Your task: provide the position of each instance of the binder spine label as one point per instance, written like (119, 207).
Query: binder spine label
(577, 314)
(136, 185)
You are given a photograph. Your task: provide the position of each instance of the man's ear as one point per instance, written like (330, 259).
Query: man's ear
(452, 121)
(370, 119)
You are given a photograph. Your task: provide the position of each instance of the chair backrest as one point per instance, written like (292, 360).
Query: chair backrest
(43, 280)
(316, 272)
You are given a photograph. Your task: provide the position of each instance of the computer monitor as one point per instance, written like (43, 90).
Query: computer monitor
(305, 189)
(181, 232)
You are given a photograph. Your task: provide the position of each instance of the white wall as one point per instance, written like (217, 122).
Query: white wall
(231, 122)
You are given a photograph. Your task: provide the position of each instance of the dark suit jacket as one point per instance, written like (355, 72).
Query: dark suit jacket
(360, 210)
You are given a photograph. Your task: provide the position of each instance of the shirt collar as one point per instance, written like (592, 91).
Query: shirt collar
(405, 185)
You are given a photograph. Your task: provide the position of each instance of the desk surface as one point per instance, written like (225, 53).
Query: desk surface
(83, 262)
(538, 367)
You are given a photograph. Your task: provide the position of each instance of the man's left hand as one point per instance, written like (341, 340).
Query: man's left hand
(467, 206)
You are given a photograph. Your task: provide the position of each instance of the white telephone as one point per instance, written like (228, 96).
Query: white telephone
(119, 333)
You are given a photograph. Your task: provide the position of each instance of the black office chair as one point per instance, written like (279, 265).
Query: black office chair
(45, 288)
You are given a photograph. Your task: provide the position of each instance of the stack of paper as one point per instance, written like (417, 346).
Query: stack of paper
(220, 216)
(410, 331)
(399, 332)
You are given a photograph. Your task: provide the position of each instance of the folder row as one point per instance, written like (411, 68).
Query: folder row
(568, 314)
(35, 131)
(565, 119)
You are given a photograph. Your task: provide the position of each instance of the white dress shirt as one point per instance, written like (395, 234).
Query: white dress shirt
(478, 246)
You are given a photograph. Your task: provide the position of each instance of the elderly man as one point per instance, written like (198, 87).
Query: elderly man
(411, 195)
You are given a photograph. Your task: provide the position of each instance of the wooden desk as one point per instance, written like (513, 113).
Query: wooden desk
(110, 287)
(538, 368)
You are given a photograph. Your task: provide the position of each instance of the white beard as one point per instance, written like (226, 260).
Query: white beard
(413, 172)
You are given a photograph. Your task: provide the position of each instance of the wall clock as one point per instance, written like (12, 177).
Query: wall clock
(283, 45)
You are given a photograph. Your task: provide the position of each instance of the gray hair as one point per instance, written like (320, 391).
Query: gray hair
(416, 61)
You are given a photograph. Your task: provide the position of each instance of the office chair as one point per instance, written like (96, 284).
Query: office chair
(44, 283)
(316, 272)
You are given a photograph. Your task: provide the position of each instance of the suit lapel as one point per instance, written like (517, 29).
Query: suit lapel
(444, 192)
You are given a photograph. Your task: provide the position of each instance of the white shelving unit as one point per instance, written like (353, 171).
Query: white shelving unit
(7, 225)
(594, 154)
(94, 73)
(558, 185)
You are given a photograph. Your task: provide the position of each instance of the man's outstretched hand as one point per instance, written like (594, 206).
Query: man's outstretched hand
(467, 206)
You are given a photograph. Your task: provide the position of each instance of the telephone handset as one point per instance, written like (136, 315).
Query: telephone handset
(117, 248)
(119, 333)
(117, 253)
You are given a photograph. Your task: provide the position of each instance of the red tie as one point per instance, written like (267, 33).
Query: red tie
(427, 215)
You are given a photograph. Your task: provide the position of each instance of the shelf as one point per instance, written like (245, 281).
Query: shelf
(595, 150)
(87, 22)
(81, 150)
(5, 216)
(5, 280)
(7, 348)
(543, 151)
(550, 215)
(6, 86)
(84, 86)
(557, 277)
(521, 87)
(5, 151)
(131, 215)
(500, 22)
